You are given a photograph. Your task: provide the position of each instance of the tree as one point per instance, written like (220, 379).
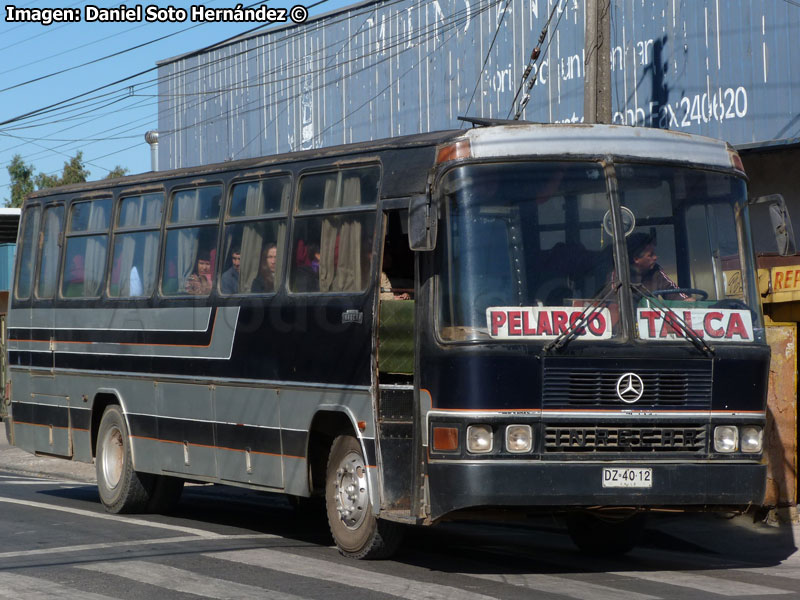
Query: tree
(117, 171)
(21, 176)
(74, 172)
(23, 182)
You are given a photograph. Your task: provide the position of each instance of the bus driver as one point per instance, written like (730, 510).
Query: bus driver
(646, 271)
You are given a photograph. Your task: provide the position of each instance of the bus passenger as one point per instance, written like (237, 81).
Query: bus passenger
(305, 277)
(230, 278)
(199, 282)
(265, 282)
(387, 291)
(646, 271)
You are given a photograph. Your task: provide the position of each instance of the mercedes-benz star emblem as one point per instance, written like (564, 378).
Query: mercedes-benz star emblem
(630, 387)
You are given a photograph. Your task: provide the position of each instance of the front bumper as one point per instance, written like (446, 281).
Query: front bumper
(454, 486)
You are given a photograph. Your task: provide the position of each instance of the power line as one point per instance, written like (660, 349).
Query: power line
(526, 98)
(421, 35)
(401, 38)
(107, 56)
(485, 60)
(50, 107)
(535, 53)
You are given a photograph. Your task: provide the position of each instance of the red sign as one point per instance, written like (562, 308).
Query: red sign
(711, 324)
(535, 322)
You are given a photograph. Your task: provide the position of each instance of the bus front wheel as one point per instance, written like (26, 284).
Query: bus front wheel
(122, 490)
(355, 529)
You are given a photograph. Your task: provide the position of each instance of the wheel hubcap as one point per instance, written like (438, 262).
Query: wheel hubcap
(352, 500)
(112, 456)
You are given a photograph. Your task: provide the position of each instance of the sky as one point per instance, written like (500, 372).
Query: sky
(53, 104)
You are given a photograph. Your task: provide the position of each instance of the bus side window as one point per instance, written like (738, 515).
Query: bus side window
(48, 268)
(332, 251)
(256, 228)
(29, 238)
(136, 243)
(191, 240)
(85, 249)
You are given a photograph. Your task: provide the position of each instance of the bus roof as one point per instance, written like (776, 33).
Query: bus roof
(588, 140)
(519, 139)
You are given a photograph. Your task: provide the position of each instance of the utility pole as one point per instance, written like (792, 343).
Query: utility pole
(597, 79)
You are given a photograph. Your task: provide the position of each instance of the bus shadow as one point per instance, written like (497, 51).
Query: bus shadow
(690, 542)
(220, 507)
(686, 542)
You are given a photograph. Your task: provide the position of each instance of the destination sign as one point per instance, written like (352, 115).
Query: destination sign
(546, 322)
(711, 324)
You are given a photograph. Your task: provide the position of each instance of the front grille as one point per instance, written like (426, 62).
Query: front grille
(576, 387)
(591, 438)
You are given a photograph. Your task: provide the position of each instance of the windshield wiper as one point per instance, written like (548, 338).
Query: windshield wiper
(566, 336)
(676, 321)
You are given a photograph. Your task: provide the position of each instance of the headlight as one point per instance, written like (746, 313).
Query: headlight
(752, 439)
(479, 439)
(519, 438)
(726, 438)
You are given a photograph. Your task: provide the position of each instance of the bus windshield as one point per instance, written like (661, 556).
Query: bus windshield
(529, 246)
(687, 247)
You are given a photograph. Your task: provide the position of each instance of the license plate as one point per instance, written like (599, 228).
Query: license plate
(630, 477)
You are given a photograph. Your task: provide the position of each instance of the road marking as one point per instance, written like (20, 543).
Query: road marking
(187, 582)
(45, 482)
(562, 585)
(788, 571)
(126, 520)
(346, 575)
(714, 585)
(112, 545)
(22, 587)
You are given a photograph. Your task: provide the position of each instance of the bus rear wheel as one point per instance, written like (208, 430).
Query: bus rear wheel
(355, 529)
(122, 490)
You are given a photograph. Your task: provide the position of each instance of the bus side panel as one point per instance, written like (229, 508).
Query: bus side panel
(248, 435)
(41, 415)
(137, 398)
(298, 409)
(186, 429)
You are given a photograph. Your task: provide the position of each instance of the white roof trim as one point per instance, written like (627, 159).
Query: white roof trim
(598, 140)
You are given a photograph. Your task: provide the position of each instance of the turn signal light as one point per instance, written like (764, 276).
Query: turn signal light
(445, 439)
(461, 149)
(736, 160)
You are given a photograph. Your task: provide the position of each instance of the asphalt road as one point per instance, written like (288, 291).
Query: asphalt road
(57, 542)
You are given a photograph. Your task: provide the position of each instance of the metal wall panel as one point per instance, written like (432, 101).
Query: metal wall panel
(721, 68)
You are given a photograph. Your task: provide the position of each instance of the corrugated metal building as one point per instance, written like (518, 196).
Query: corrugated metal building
(721, 68)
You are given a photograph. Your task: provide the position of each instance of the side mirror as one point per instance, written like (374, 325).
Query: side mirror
(423, 217)
(781, 223)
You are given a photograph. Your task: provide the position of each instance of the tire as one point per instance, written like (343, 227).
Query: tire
(122, 490)
(355, 529)
(605, 535)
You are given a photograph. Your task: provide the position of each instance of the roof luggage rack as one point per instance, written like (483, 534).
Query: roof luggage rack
(482, 122)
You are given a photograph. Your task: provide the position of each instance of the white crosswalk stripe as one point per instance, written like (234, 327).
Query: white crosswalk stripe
(788, 571)
(23, 587)
(695, 581)
(563, 586)
(61, 484)
(189, 582)
(351, 576)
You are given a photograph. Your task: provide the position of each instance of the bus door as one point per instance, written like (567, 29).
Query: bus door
(395, 362)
